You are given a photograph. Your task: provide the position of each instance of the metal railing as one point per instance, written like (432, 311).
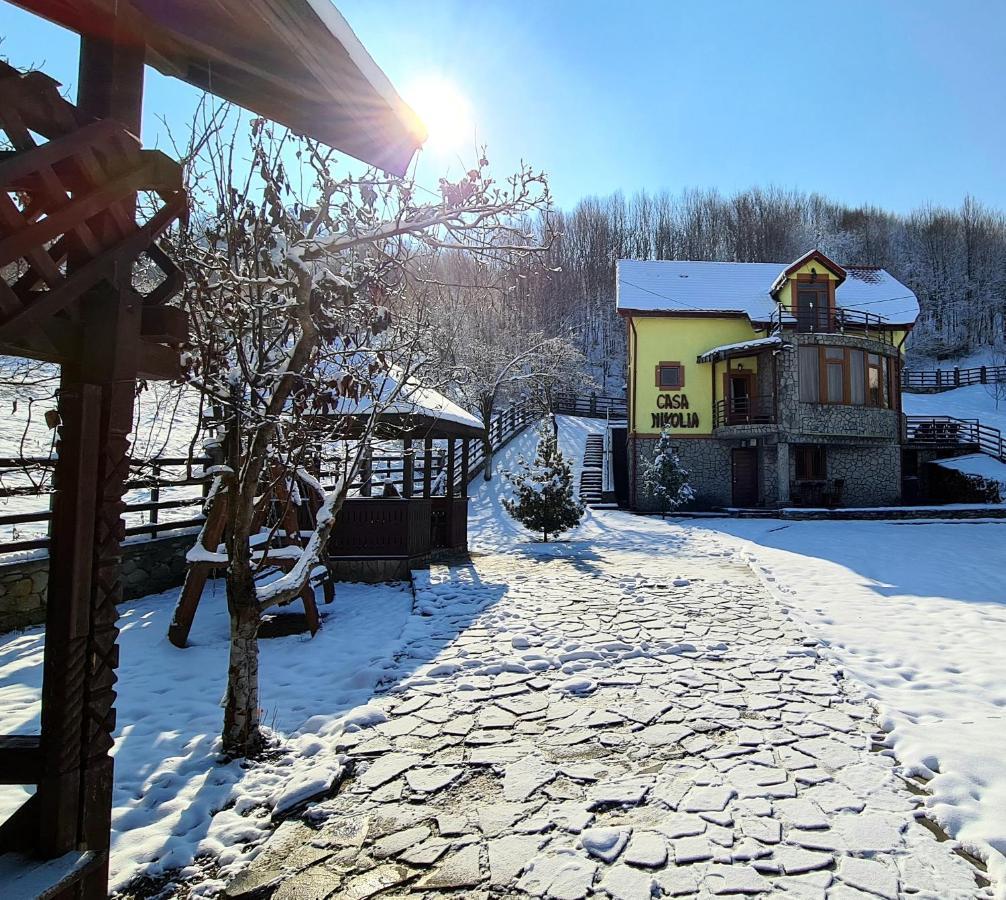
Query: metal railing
(833, 321)
(744, 411)
(947, 379)
(949, 431)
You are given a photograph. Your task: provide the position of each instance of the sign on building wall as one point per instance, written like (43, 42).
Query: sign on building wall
(673, 412)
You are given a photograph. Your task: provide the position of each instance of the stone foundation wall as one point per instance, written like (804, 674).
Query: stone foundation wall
(148, 567)
(872, 474)
(707, 463)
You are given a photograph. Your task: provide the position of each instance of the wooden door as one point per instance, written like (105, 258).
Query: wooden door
(740, 388)
(813, 313)
(744, 476)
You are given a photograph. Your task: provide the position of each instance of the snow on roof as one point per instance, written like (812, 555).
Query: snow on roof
(797, 264)
(412, 399)
(728, 349)
(678, 286)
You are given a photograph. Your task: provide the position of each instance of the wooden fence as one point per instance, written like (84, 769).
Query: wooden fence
(936, 380)
(594, 406)
(167, 493)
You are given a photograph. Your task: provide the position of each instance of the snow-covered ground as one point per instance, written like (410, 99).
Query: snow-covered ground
(171, 793)
(914, 614)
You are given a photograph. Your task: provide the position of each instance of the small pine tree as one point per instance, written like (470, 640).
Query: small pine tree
(543, 491)
(665, 477)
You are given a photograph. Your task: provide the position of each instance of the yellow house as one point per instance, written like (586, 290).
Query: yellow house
(778, 381)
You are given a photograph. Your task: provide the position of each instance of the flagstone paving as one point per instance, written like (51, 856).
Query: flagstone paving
(596, 725)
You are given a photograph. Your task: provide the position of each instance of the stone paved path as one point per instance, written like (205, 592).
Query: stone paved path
(598, 723)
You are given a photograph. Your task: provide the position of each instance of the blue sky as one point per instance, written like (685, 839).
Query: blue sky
(890, 103)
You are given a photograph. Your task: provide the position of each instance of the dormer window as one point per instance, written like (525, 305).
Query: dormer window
(670, 376)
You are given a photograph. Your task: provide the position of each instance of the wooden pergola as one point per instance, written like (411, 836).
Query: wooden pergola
(69, 241)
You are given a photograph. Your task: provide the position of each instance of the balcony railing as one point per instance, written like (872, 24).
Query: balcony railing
(834, 321)
(744, 411)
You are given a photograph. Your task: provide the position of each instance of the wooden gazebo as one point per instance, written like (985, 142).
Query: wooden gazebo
(378, 538)
(69, 240)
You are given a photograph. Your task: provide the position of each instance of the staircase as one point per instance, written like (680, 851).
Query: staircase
(591, 474)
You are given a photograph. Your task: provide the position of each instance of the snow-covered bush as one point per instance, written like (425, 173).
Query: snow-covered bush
(543, 490)
(665, 477)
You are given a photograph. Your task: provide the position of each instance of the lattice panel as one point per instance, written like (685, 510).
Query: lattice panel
(67, 216)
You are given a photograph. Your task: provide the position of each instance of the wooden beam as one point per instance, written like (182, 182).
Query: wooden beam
(408, 468)
(96, 417)
(89, 274)
(465, 455)
(427, 467)
(366, 473)
(164, 325)
(450, 468)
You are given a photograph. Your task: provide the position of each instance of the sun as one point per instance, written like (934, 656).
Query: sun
(445, 112)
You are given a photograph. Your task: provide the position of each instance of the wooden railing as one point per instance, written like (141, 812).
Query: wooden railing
(143, 516)
(592, 406)
(947, 379)
(949, 431)
(834, 321)
(744, 411)
(166, 494)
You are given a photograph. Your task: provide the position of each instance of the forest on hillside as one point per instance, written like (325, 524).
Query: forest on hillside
(953, 259)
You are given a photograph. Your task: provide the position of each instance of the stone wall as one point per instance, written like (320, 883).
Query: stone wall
(706, 460)
(148, 567)
(872, 474)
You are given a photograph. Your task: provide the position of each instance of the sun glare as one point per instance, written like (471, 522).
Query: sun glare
(445, 112)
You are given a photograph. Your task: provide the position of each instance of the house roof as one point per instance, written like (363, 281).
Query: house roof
(814, 255)
(742, 348)
(725, 288)
(297, 62)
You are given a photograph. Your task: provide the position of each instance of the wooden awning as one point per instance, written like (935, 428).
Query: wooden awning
(296, 62)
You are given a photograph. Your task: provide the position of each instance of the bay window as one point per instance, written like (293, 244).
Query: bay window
(810, 378)
(846, 376)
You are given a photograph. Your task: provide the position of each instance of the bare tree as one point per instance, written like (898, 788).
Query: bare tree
(305, 306)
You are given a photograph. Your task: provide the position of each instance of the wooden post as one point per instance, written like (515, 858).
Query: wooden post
(74, 798)
(366, 473)
(428, 467)
(465, 452)
(155, 497)
(450, 469)
(408, 467)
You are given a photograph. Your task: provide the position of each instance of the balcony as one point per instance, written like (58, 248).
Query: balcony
(834, 321)
(744, 411)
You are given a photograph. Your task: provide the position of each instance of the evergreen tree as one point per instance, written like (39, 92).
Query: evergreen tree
(665, 477)
(543, 491)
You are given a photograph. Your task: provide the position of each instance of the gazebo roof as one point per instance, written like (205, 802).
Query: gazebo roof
(414, 412)
(296, 62)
